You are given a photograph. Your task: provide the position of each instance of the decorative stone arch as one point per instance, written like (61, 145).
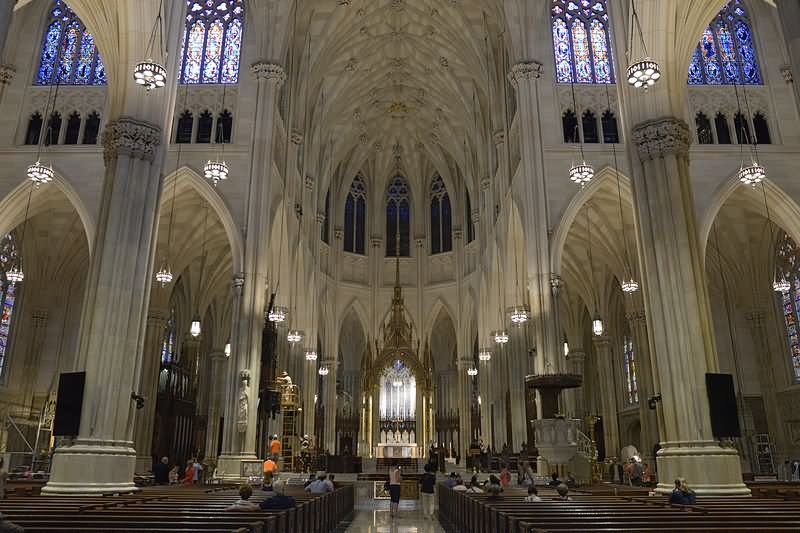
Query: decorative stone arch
(438, 305)
(408, 358)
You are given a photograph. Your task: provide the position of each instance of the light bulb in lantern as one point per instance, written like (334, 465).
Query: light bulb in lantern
(195, 329)
(311, 355)
(323, 371)
(485, 354)
(644, 73)
(752, 175)
(519, 315)
(472, 372)
(216, 171)
(40, 174)
(781, 285)
(150, 75)
(597, 325)
(581, 174)
(630, 286)
(500, 336)
(15, 275)
(228, 350)
(277, 314)
(294, 336)
(566, 346)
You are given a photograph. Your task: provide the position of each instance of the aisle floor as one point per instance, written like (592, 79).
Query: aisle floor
(377, 520)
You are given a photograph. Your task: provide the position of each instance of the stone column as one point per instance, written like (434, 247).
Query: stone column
(464, 413)
(36, 336)
(148, 388)
(215, 400)
(102, 458)
(756, 319)
(607, 383)
(336, 252)
(7, 73)
(546, 340)
(644, 376)
(577, 403)
(241, 408)
(676, 302)
(6, 16)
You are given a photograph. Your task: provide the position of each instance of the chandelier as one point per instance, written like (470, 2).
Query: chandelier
(500, 336)
(566, 345)
(323, 371)
(643, 73)
(228, 349)
(164, 275)
(148, 73)
(485, 355)
(629, 286)
(15, 275)
(294, 336)
(581, 174)
(311, 355)
(195, 328)
(472, 371)
(519, 315)
(40, 174)
(277, 314)
(216, 171)
(781, 285)
(597, 325)
(752, 175)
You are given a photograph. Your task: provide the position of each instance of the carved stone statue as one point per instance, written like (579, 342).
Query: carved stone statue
(244, 401)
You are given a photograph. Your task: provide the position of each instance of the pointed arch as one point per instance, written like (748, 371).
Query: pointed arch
(398, 217)
(355, 216)
(441, 221)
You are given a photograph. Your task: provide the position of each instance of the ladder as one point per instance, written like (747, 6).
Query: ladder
(289, 437)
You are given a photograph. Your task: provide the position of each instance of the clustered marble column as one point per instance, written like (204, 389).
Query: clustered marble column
(148, 388)
(216, 400)
(678, 311)
(644, 380)
(608, 403)
(241, 409)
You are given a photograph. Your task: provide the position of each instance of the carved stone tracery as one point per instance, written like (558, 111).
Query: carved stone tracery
(131, 137)
(662, 137)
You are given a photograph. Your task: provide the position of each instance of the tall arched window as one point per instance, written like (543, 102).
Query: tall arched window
(726, 53)
(398, 217)
(212, 41)
(69, 55)
(582, 41)
(355, 217)
(9, 256)
(168, 343)
(788, 259)
(469, 223)
(441, 218)
(629, 361)
(326, 224)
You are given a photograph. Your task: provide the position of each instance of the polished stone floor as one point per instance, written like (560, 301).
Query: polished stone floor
(377, 520)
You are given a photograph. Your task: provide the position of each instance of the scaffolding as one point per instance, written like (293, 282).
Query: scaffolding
(290, 403)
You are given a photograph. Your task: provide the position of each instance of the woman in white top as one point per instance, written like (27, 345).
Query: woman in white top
(395, 477)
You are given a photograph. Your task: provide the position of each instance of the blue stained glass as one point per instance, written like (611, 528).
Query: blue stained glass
(213, 53)
(728, 56)
(9, 256)
(581, 41)
(194, 52)
(233, 51)
(789, 267)
(212, 43)
(696, 68)
(69, 54)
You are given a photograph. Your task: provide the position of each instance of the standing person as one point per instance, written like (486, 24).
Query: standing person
(505, 477)
(188, 472)
(427, 485)
(198, 471)
(161, 472)
(275, 448)
(395, 477)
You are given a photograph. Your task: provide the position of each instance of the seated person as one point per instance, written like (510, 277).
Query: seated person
(682, 494)
(320, 485)
(494, 491)
(571, 483)
(554, 481)
(563, 493)
(330, 482)
(459, 486)
(474, 487)
(533, 495)
(267, 484)
(280, 500)
(244, 503)
(161, 472)
(450, 482)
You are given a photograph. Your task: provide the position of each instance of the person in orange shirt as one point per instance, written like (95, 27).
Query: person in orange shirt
(275, 448)
(270, 466)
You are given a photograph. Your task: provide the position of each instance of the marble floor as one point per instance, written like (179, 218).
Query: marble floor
(376, 519)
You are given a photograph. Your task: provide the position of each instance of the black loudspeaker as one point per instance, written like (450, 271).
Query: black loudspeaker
(68, 404)
(722, 404)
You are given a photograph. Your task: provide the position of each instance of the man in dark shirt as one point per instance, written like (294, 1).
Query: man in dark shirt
(427, 485)
(161, 472)
(280, 500)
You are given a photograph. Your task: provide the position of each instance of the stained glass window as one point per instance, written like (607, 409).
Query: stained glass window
(212, 41)
(630, 369)
(398, 217)
(726, 53)
(582, 41)
(168, 343)
(788, 259)
(469, 223)
(441, 218)
(69, 55)
(9, 256)
(355, 217)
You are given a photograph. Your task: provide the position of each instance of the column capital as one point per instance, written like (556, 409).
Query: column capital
(238, 281)
(131, 137)
(476, 216)
(457, 233)
(756, 317)
(376, 242)
(269, 72)
(525, 71)
(39, 317)
(499, 137)
(556, 282)
(636, 317)
(662, 137)
(309, 182)
(486, 182)
(419, 241)
(157, 317)
(786, 72)
(604, 341)
(576, 356)
(7, 73)
(338, 233)
(297, 138)
(217, 354)
(320, 218)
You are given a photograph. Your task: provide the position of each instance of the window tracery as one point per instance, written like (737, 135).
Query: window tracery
(788, 259)
(212, 41)
(629, 360)
(581, 41)
(398, 217)
(355, 217)
(9, 256)
(441, 218)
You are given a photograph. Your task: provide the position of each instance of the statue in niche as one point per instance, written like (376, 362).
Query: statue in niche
(244, 401)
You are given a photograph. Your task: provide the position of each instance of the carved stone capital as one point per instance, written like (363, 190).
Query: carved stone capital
(131, 137)
(499, 137)
(338, 234)
(269, 72)
(556, 282)
(309, 183)
(602, 342)
(786, 72)
(662, 137)
(476, 216)
(157, 318)
(756, 317)
(420, 242)
(636, 317)
(320, 218)
(297, 138)
(376, 242)
(485, 184)
(238, 281)
(39, 318)
(7, 73)
(457, 233)
(525, 71)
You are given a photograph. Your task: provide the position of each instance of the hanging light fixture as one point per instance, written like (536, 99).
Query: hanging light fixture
(151, 74)
(781, 285)
(629, 286)
(566, 345)
(228, 349)
(195, 328)
(217, 171)
(311, 354)
(519, 315)
(645, 72)
(500, 336)
(38, 172)
(485, 355)
(597, 322)
(15, 274)
(752, 174)
(581, 173)
(323, 371)
(597, 325)
(277, 314)
(294, 336)
(472, 371)
(164, 275)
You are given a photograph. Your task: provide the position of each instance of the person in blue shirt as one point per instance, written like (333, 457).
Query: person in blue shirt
(320, 485)
(280, 500)
(682, 494)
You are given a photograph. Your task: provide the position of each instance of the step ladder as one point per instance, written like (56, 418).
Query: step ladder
(289, 438)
